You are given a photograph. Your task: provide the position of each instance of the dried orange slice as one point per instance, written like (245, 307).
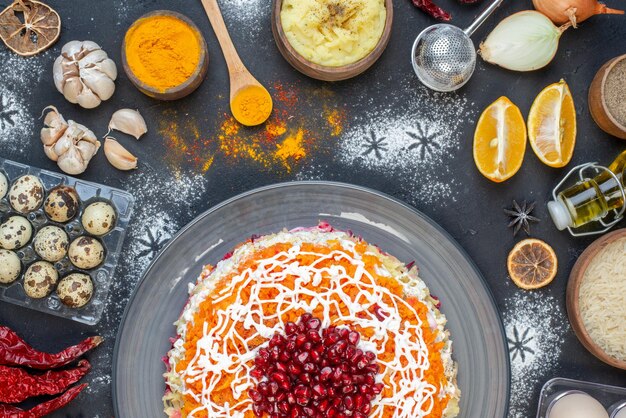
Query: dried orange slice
(500, 140)
(552, 125)
(532, 264)
(28, 27)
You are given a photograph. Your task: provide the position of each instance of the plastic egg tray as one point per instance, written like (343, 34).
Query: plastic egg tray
(101, 276)
(613, 398)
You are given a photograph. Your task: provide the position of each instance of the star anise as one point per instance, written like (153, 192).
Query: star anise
(521, 217)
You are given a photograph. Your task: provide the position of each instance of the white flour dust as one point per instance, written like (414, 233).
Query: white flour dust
(535, 327)
(20, 78)
(152, 226)
(246, 15)
(415, 142)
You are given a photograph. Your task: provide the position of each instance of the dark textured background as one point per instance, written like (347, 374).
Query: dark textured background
(475, 219)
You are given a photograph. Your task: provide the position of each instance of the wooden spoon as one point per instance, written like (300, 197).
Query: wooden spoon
(250, 102)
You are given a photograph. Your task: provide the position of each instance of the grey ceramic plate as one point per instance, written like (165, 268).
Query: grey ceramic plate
(479, 342)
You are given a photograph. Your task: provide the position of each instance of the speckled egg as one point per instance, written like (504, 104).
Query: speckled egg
(26, 194)
(15, 233)
(86, 252)
(99, 218)
(40, 279)
(62, 204)
(75, 290)
(10, 266)
(51, 243)
(4, 185)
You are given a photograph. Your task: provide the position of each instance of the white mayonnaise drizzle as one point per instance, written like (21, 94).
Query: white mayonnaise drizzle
(412, 396)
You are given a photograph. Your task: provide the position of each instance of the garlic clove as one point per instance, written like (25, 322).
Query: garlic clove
(71, 49)
(72, 89)
(128, 121)
(87, 149)
(108, 67)
(72, 162)
(98, 82)
(57, 72)
(55, 126)
(92, 58)
(89, 46)
(118, 156)
(88, 99)
(49, 151)
(64, 143)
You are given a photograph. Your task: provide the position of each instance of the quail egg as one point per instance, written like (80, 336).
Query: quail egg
(75, 290)
(51, 243)
(4, 185)
(26, 194)
(86, 252)
(10, 266)
(40, 279)
(15, 233)
(99, 218)
(62, 204)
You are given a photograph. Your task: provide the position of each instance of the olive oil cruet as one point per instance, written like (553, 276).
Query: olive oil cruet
(600, 199)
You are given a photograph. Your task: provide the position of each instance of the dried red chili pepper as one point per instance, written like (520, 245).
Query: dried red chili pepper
(14, 351)
(432, 9)
(43, 409)
(17, 385)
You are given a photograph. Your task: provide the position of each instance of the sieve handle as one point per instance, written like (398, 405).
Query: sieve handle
(483, 16)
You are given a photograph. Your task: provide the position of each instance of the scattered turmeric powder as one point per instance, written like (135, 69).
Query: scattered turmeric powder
(162, 51)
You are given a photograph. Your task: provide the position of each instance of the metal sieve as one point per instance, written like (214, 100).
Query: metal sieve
(444, 56)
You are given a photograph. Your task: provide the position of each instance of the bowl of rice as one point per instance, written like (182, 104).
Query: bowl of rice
(596, 298)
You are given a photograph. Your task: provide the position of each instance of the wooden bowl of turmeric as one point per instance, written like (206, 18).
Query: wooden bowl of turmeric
(164, 55)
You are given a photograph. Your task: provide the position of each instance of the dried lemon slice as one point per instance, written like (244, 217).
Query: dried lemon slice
(28, 27)
(500, 140)
(532, 264)
(552, 125)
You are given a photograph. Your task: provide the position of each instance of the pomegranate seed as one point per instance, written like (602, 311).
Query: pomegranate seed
(291, 328)
(314, 372)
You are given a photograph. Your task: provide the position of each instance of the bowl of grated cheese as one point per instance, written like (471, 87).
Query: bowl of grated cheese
(596, 298)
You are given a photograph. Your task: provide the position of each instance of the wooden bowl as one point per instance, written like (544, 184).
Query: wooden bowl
(597, 104)
(322, 72)
(573, 293)
(184, 89)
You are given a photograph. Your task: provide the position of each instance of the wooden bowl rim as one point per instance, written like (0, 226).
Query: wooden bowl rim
(573, 295)
(612, 63)
(358, 67)
(198, 73)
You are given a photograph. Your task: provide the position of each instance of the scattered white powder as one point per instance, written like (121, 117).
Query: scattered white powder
(166, 205)
(20, 77)
(151, 226)
(245, 15)
(535, 327)
(414, 142)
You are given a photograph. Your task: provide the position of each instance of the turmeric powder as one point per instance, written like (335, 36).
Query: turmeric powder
(252, 105)
(162, 51)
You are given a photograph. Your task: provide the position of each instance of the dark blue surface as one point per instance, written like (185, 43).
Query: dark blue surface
(475, 219)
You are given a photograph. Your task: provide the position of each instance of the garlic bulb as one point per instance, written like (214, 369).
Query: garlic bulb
(84, 74)
(70, 144)
(128, 121)
(118, 156)
(524, 41)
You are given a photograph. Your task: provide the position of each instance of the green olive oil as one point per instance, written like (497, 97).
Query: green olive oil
(592, 199)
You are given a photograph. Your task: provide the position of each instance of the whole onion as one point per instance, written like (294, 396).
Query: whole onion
(575, 11)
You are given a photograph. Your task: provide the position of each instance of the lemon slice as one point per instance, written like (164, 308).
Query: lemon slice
(500, 140)
(552, 125)
(532, 264)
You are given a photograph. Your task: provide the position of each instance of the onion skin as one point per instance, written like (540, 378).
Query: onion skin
(575, 11)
